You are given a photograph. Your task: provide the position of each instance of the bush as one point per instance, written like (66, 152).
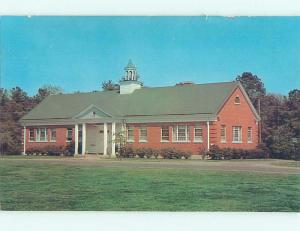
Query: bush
(126, 152)
(50, 150)
(69, 150)
(172, 153)
(144, 152)
(53, 150)
(216, 153)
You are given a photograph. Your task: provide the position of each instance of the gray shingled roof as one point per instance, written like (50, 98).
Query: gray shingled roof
(190, 99)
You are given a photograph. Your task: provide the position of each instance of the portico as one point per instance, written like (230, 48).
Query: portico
(95, 138)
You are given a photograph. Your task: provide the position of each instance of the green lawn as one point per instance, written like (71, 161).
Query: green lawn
(34, 185)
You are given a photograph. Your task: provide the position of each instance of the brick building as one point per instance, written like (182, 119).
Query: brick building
(186, 116)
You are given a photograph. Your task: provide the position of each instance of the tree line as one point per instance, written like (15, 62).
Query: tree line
(280, 115)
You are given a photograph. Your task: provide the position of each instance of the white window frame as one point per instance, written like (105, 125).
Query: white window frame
(143, 139)
(198, 139)
(176, 133)
(39, 133)
(33, 137)
(161, 134)
(239, 130)
(51, 135)
(67, 133)
(129, 127)
(223, 138)
(249, 132)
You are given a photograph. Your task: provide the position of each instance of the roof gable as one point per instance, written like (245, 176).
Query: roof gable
(92, 112)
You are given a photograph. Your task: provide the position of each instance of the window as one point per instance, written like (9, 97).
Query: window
(31, 134)
(237, 100)
(143, 134)
(198, 134)
(237, 134)
(249, 135)
(130, 133)
(69, 134)
(180, 133)
(41, 134)
(165, 135)
(53, 135)
(223, 134)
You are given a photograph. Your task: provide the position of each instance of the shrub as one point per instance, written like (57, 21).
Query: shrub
(156, 153)
(126, 152)
(53, 150)
(50, 150)
(172, 153)
(144, 152)
(216, 153)
(69, 150)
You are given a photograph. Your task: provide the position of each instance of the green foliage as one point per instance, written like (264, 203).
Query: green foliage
(166, 153)
(280, 117)
(110, 86)
(253, 86)
(126, 152)
(144, 152)
(173, 153)
(50, 150)
(47, 90)
(216, 153)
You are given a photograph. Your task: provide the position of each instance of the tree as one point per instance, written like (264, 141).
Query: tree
(293, 104)
(47, 90)
(253, 86)
(110, 86)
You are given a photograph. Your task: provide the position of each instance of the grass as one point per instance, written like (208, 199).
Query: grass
(35, 185)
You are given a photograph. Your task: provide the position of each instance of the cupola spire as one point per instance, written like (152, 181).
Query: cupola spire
(130, 72)
(129, 82)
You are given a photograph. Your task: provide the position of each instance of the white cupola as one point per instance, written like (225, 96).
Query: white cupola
(129, 82)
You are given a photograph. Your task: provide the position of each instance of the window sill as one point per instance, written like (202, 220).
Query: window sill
(165, 141)
(249, 142)
(143, 141)
(182, 141)
(223, 142)
(198, 141)
(130, 141)
(237, 142)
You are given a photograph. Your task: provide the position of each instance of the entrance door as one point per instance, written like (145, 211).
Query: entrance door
(94, 139)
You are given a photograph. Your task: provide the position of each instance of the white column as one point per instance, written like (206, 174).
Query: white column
(208, 144)
(105, 139)
(83, 138)
(76, 139)
(113, 137)
(24, 140)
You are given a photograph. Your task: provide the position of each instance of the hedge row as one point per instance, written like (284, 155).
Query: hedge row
(217, 153)
(166, 153)
(52, 150)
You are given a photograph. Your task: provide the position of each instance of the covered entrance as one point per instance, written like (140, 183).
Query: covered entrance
(96, 138)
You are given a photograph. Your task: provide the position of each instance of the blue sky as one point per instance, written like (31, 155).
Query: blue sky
(78, 53)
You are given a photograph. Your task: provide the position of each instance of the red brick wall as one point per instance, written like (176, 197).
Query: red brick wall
(230, 115)
(235, 115)
(61, 133)
(154, 137)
